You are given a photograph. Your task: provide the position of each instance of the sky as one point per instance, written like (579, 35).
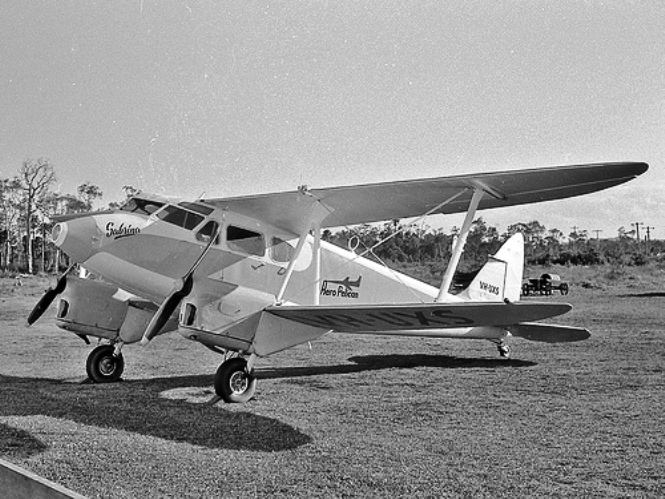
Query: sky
(217, 98)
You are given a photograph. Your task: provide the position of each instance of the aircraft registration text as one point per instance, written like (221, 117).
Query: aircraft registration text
(384, 320)
(490, 288)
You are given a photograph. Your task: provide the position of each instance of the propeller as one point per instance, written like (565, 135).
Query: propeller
(45, 301)
(181, 289)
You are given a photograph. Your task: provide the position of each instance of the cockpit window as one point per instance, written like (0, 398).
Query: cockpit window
(281, 251)
(181, 218)
(245, 240)
(207, 231)
(198, 208)
(142, 206)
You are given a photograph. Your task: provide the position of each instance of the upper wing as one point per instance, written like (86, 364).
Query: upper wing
(418, 316)
(395, 200)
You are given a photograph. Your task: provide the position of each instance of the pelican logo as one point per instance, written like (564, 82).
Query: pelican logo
(341, 289)
(120, 231)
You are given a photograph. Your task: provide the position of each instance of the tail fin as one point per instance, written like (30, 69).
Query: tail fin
(501, 277)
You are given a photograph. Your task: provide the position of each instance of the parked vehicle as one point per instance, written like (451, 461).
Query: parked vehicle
(545, 285)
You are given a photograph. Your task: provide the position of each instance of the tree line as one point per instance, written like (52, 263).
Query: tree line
(27, 204)
(409, 245)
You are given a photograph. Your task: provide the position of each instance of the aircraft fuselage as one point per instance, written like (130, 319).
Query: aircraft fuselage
(145, 253)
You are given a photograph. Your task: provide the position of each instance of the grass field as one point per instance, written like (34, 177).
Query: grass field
(354, 416)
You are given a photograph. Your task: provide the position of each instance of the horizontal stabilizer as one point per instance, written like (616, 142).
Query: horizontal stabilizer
(418, 316)
(549, 333)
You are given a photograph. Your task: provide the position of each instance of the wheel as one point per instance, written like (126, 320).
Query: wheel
(102, 366)
(233, 383)
(564, 289)
(504, 350)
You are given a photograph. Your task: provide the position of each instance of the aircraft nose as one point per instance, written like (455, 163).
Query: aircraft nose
(79, 238)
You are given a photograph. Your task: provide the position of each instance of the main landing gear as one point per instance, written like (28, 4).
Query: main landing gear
(235, 381)
(503, 348)
(105, 364)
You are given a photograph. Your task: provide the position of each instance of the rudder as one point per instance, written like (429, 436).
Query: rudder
(500, 278)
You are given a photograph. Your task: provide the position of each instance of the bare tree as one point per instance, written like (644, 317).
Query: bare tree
(35, 177)
(11, 206)
(10, 202)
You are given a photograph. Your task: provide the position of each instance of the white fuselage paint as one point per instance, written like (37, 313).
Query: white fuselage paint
(146, 256)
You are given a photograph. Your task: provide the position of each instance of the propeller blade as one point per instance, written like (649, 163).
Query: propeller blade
(205, 251)
(42, 305)
(165, 310)
(172, 301)
(45, 301)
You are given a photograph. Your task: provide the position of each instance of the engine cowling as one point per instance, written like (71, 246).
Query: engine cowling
(91, 308)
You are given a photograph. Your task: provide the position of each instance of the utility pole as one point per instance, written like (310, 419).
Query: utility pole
(648, 239)
(637, 234)
(597, 231)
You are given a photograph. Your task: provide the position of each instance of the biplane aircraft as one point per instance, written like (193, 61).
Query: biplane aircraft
(250, 276)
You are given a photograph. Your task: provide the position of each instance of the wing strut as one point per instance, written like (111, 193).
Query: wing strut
(459, 245)
(317, 212)
(317, 262)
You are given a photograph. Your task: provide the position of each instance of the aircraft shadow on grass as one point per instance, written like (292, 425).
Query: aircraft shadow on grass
(390, 361)
(136, 406)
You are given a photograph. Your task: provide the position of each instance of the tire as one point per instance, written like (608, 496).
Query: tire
(564, 289)
(102, 366)
(233, 383)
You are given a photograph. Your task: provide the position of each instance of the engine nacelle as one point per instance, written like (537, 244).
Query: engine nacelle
(88, 307)
(212, 309)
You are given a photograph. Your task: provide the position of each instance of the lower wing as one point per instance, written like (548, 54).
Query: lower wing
(420, 316)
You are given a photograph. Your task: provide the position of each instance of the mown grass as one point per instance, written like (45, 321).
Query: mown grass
(354, 416)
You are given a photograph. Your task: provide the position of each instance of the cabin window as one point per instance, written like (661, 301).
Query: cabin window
(142, 206)
(207, 231)
(281, 251)
(198, 208)
(245, 240)
(180, 217)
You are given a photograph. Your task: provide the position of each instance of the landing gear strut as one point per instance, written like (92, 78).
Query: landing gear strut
(234, 383)
(104, 365)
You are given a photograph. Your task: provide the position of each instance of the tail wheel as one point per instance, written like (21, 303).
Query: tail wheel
(504, 350)
(564, 289)
(104, 367)
(233, 383)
